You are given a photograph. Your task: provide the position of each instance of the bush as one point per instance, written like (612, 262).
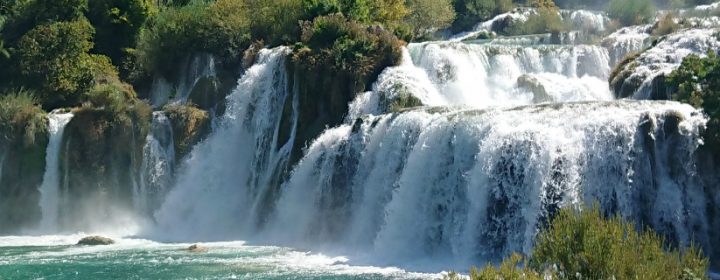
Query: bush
(472, 12)
(697, 82)
(586, 245)
(665, 25)
(346, 46)
(221, 28)
(428, 16)
(21, 120)
(632, 12)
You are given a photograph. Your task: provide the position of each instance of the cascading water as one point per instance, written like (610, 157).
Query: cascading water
(197, 67)
(625, 41)
(488, 75)
(222, 184)
(470, 179)
(50, 189)
(157, 166)
(471, 185)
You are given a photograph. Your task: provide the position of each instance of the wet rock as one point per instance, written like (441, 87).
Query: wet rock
(95, 240)
(197, 249)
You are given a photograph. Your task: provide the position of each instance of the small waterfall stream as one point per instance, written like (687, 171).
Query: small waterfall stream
(157, 168)
(50, 195)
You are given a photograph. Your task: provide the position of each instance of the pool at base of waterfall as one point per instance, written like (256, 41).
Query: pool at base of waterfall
(57, 257)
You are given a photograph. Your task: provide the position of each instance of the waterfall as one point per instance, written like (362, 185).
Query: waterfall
(157, 168)
(625, 41)
(195, 69)
(230, 175)
(469, 184)
(50, 188)
(505, 136)
(489, 75)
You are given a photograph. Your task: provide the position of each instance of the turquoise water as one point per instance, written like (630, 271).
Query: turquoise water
(57, 258)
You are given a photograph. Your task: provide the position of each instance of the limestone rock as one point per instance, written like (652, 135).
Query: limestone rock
(95, 240)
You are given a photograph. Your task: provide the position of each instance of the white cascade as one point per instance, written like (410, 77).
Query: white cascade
(221, 189)
(157, 168)
(467, 185)
(50, 188)
(487, 75)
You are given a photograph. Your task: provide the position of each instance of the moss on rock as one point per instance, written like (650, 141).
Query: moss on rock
(620, 78)
(189, 125)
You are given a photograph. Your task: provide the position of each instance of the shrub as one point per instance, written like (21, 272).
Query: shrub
(586, 245)
(631, 12)
(346, 46)
(697, 82)
(428, 16)
(545, 20)
(21, 120)
(665, 25)
(221, 28)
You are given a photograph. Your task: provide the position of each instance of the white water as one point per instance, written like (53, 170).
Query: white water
(483, 76)
(467, 185)
(50, 188)
(449, 186)
(625, 41)
(157, 169)
(222, 186)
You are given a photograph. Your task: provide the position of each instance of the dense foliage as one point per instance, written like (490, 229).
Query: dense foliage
(697, 82)
(631, 12)
(221, 28)
(586, 245)
(471, 12)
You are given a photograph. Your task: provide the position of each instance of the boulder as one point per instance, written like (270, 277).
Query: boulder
(95, 240)
(197, 249)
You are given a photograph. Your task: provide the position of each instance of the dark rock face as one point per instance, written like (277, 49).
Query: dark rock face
(95, 240)
(21, 173)
(101, 155)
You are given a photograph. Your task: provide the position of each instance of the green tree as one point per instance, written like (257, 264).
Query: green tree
(428, 16)
(117, 25)
(53, 58)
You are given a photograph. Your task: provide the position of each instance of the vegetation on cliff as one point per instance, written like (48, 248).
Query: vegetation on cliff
(189, 125)
(587, 245)
(697, 82)
(23, 137)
